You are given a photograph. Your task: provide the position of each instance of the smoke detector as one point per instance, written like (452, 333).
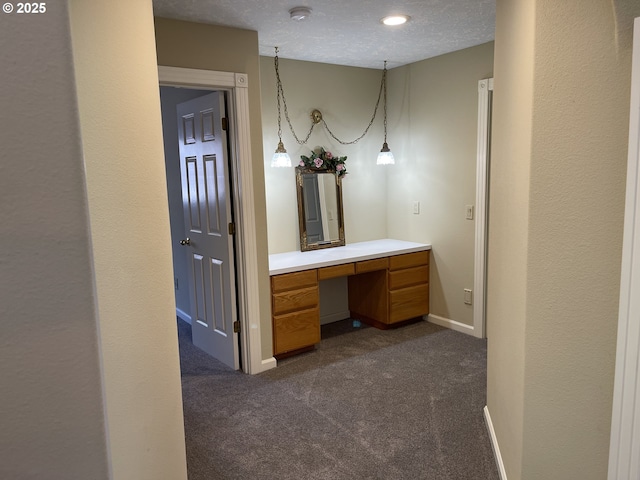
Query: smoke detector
(300, 13)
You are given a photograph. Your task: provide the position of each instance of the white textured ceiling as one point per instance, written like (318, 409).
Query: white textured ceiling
(348, 32)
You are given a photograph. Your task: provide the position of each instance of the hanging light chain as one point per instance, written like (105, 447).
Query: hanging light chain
(279, 114)
(384, 82)
(381, 92)
(286, 110)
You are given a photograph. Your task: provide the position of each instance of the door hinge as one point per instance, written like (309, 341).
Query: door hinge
(232, 228)
(224, 123)
(236, 326)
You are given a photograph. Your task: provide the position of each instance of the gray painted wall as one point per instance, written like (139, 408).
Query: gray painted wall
(116, 78)
(559, 157)
(51, 399)
(433, 118)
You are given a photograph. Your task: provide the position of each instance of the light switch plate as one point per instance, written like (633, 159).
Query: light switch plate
(469, 212)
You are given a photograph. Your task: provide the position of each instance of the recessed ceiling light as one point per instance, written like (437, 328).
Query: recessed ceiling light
(300, 13)
(395, 19)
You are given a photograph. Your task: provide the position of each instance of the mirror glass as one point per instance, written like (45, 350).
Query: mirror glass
(319, 209)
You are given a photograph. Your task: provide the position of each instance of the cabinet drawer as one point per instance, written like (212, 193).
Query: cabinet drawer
(291, 281)
(336, 271)
(296, 330)
(408, 277)
(409, 260)
(408, 303)
(295, 300)
(372, 265)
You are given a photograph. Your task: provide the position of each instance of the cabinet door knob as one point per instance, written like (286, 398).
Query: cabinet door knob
(186, 241)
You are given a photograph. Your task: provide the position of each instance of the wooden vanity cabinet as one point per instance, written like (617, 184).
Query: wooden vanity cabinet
(395, 294)
(383, 292)
(295, 311)
(408, 286)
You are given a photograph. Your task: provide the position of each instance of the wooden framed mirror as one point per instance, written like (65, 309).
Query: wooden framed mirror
(319, 208)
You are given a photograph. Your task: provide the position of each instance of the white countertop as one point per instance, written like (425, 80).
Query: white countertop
(354, 252)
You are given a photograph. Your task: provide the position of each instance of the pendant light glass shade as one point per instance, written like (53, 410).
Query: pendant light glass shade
(280, 157)
(385, 157)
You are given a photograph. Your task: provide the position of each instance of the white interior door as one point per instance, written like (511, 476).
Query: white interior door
(206, 194)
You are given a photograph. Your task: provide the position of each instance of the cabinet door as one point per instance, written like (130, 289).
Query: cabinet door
(293, 300)
(372, 265)
(408, 303)
(408, 260)
(295, 330)
(408, 277)
(293, 281)
(295, 312)
(336, 271)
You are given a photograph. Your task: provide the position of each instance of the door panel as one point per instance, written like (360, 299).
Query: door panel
(198, 289)
(205, 189)
(189, 128)
(217, 278)
(214, 202)
(208, 132)
(192, 189)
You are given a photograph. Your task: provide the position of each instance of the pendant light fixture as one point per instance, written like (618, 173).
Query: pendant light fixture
(280, 158)
(385, 157)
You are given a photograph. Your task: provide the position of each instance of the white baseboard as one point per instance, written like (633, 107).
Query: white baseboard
(334, 317)
(452, 324)
(182, 315)
(494, 444)
(265, 365)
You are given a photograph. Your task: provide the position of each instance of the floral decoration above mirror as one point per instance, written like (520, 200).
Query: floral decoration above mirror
(321, 159)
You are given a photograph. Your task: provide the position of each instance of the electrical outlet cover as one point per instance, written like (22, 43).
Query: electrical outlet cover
(467, 296)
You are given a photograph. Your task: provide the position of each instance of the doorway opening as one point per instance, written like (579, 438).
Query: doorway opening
(236, 87)
(197, 163)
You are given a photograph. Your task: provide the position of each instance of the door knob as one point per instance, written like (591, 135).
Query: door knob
(186, 241)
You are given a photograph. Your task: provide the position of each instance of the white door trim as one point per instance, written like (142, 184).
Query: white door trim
(485, 89)
(242, 172)
(624, 462)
